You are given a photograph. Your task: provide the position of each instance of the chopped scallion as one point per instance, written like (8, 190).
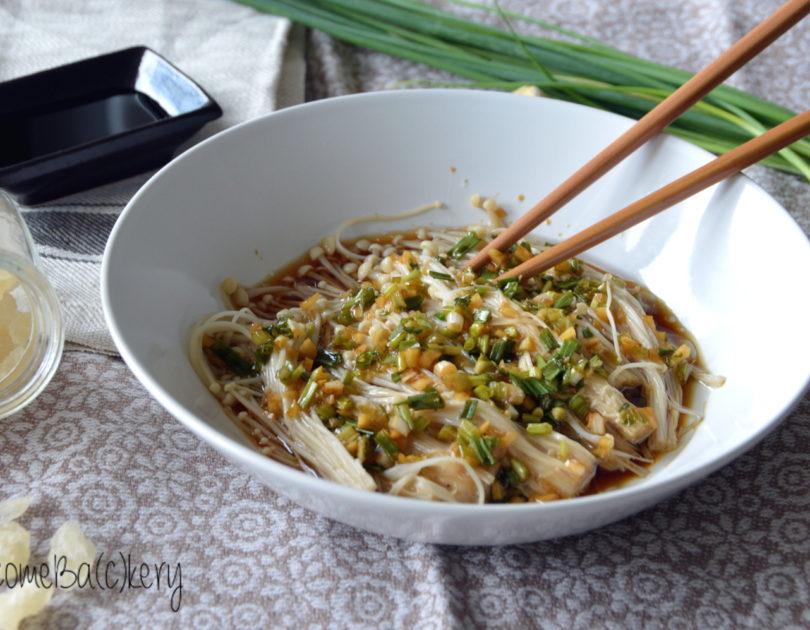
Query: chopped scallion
(547, 337)
(404, 412)
(308, 393)
(539, 428)
(482, 315)
(500, 349)
(384, 441)
(429, 399)
(365, 297)
(564, 300)
(520, 470)
(531, 386)
(366, 359)
(325, 412)
(414, 303)
(579, 405)
(482, 447)
(569, 347)
(413, 274)
(328, 358)
(513, 290)
(467, 242)
(470, 407)
(231, 358)
(347, 433)
(552, 369)
(440, 275)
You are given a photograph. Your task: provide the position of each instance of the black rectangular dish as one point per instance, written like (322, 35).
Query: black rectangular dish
(95, 121)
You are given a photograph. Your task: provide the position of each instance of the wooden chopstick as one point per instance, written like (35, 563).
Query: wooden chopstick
(718, 169)
(651, 123)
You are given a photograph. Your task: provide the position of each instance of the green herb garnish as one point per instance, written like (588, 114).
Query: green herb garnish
(547, 337)
(234, 360)
(440, 275)
(308, 393)
(328, 358)
(429, 399)
(467, 242)
(414, 303)
(470, 407)
(384, 441)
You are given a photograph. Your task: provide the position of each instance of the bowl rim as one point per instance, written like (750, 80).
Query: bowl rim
(237, 451)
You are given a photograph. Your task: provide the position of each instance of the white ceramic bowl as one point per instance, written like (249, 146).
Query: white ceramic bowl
(253, 197)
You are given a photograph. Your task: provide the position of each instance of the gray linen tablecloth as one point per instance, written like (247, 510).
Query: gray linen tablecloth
(732, 551)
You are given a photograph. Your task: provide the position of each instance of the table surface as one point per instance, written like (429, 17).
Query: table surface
(731, 551)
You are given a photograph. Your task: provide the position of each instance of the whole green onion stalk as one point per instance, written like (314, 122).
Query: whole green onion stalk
(581, 70)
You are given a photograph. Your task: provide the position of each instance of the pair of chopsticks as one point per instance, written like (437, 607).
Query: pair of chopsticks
(750, 45)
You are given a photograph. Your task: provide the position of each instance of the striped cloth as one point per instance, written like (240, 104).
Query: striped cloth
(250, 62)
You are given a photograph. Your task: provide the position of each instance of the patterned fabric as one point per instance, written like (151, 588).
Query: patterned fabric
(733, 551)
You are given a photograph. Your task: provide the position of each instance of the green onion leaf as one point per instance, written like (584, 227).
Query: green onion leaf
(365, 297)
(384, 441)
(531, 386)
(404, 411)
(413, 274)
(547, 337)
(538, 428)
(500, 349)
(564, 300)
(483, 344)
(467, 242)
(325, 412)
(467, 431)
(347, 434)
(579, 405)
(470, 407)
(482, 315)
(262, 354)
(345, 318)
(328, 359)
(440, 275)
(414, 303)
(520, 470)
(552, 369)
(308, 393)
(512, 289)
(366, 359)
(235, 362)
(429, 399)
(482, 447)
(569, 347)
(583, 70)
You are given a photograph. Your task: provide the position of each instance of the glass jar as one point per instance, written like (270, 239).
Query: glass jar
(31, 332)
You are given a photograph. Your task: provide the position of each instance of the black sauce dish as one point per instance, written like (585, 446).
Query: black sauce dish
(95, 121)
